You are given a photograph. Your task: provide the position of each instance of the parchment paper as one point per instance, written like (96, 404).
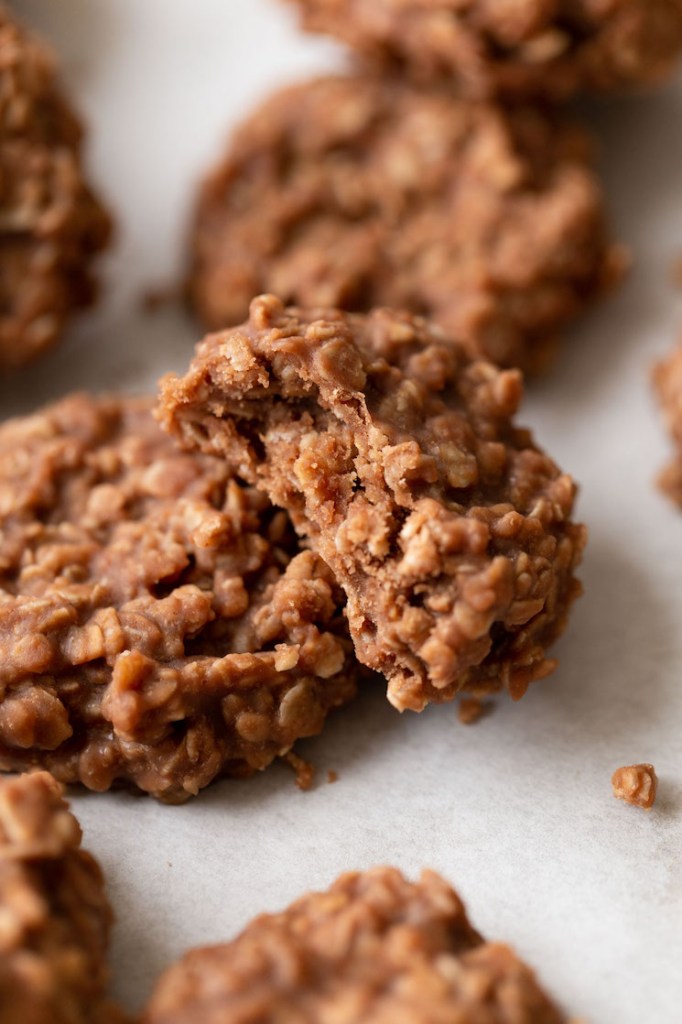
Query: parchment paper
(516, 810)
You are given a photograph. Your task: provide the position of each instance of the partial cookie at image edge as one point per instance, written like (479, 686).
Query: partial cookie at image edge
(530, 50)
(52, 224)
(159, 625)
(56, 917)
(374, 947)
(358, 191)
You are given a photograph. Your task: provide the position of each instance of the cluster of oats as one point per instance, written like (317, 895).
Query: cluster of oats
(158, 625)
(396, 456)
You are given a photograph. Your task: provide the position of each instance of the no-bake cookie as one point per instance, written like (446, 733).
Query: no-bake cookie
(356, 192)
(397, 456)
(511, 48)
(158, 623)
(373, 948)
(54, 914)
(51, 223)
(667, 379)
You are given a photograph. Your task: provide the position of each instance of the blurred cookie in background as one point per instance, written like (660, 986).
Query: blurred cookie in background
(55, 914)
(52, 225)
(361, 191)
(511, 48)
(374, 947)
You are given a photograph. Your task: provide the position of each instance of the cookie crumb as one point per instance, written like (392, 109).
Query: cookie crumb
(332, 777)
(636, 784)
(471, 709)
(304, 771)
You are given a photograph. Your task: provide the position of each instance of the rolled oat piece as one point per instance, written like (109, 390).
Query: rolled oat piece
(51, 223)
(667, 379)
(54, 914)
(511, 48)
(159, 625)
(362, 191)
(373, 948)
(397, 457)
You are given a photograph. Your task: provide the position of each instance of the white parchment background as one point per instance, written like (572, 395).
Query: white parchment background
(516, 811)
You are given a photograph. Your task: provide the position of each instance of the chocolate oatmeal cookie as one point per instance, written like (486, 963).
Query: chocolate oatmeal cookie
(374, 948)
(51, 223)
(396, 454)
(54, 915)
(158, 624)
(356, 192)
(668, 386)
(511, 48)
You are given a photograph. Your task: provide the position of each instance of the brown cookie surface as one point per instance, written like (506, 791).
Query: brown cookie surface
(511, 48)
(54, 912)
(373, 948)
(51, 223)
(667, 379)
(158, 623)
(356, 192)
(396, 454)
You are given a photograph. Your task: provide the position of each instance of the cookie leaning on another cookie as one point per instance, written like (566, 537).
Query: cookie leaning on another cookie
(373, 948)
(158, 624)
(54, 914)
(359, 191)
(397, 457)
(511, 48)
(51, 224)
